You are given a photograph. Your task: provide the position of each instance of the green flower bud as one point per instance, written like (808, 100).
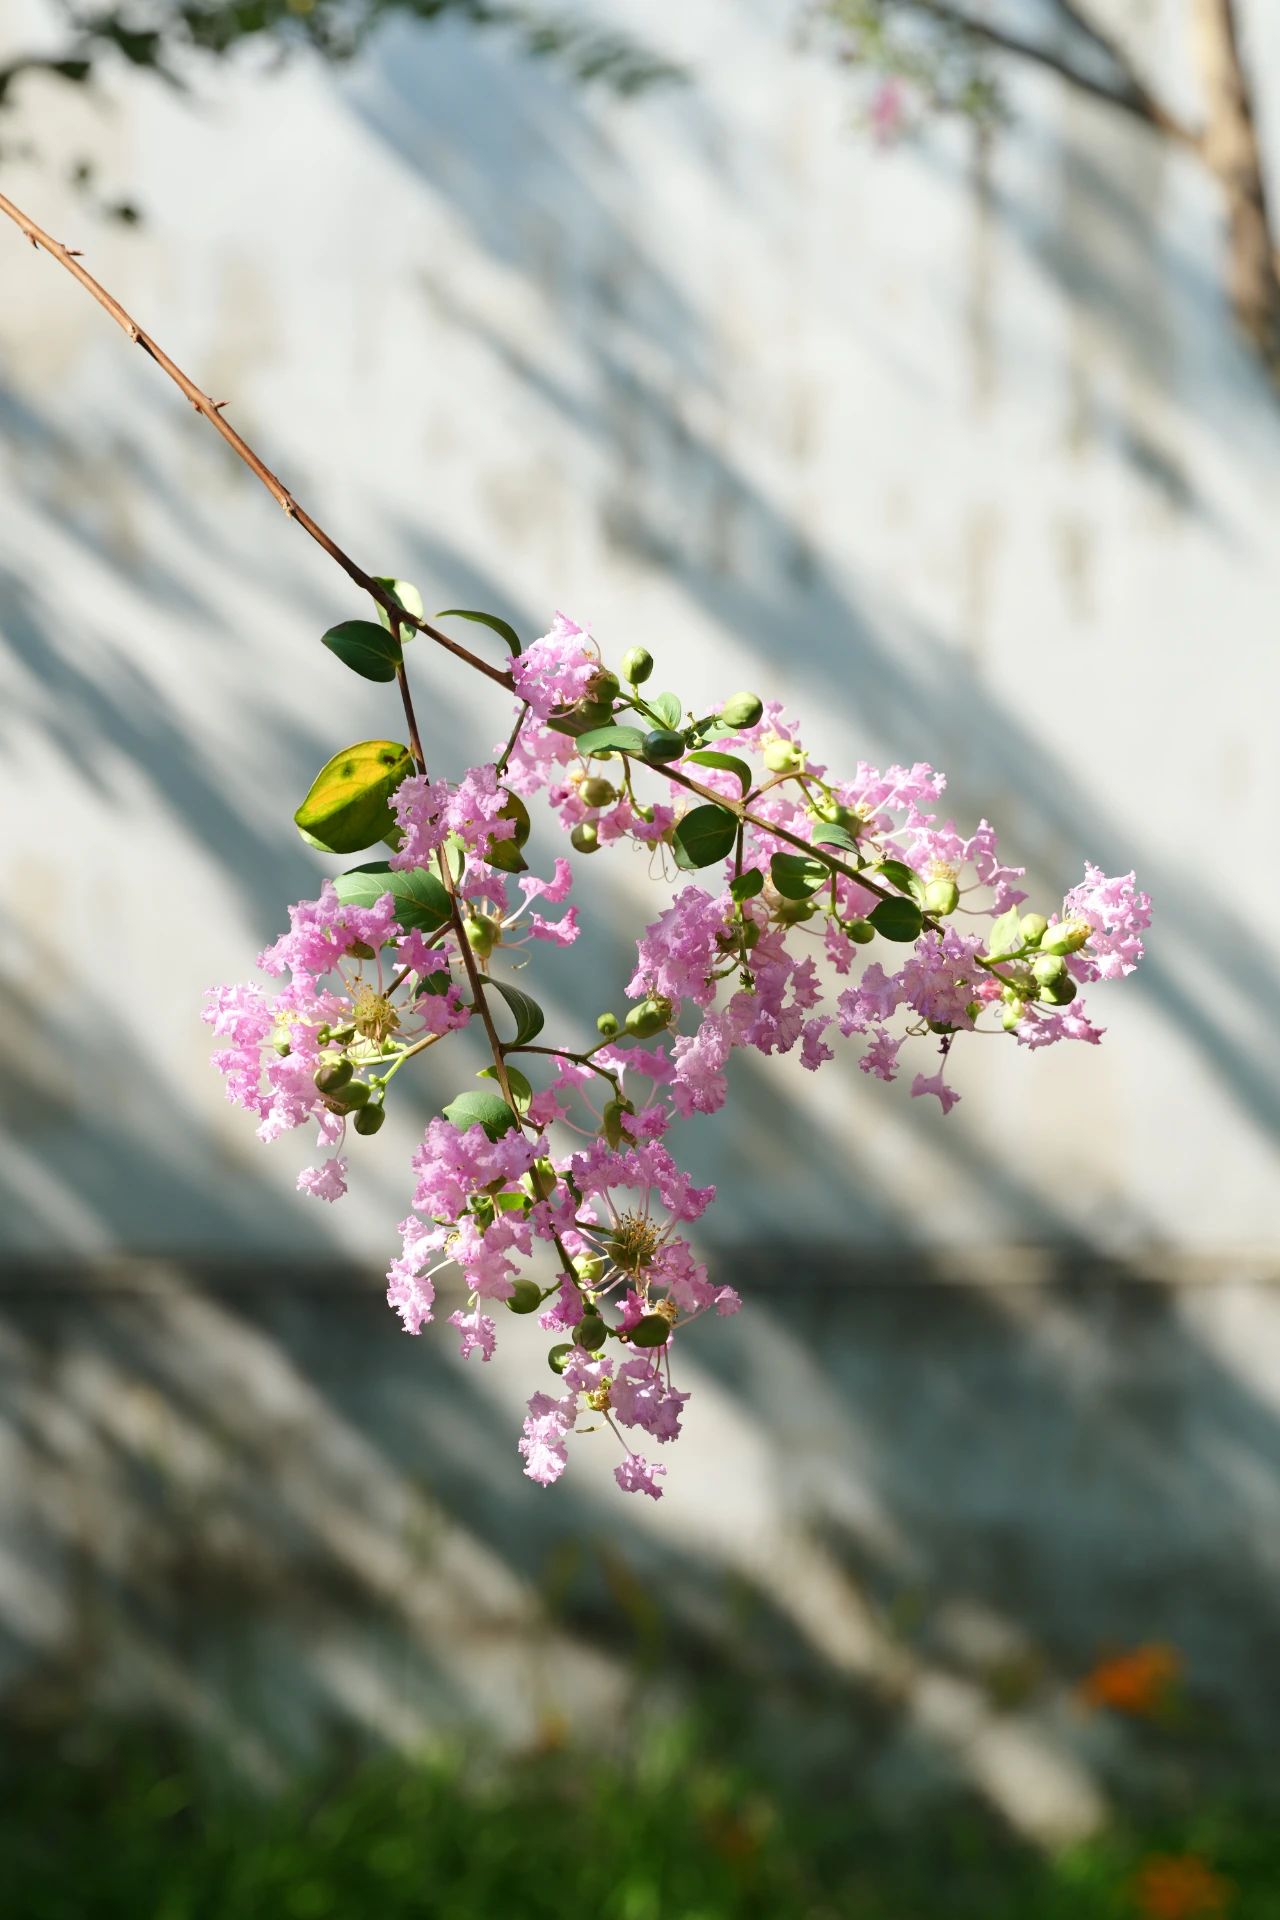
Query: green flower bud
(836, 814)
(861, 932)
(940, 1026)
(559, 1357)
(1067, 937)
(649, 1017)
(369, 1119)
(606, 686)
(590, 1333)
(361, 950)
(742, 710)
(584, 837)
(589, 1267)
(1059, 993)
(662, 744)
(597, 792)
(941, 896)
(483, 933)
(592, 713)
(637, 665)
(607, 1025)
(281, 1042)
(333, 1075)
(790, 912)
(1010, 1015)
(342, 1036)
(1048, 968)
(783, 756)
(742, 936)
(1033, 927)
(525, 1297)
(654, 1330)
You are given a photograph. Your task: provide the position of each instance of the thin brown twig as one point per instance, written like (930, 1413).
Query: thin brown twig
(68, 258)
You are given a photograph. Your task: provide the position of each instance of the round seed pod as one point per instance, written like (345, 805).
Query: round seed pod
(662, 745)
(590, 1333)
(654, 1330)
(648, 1018)
(607, 1025)
(1048, 968)
(783, 756)
(370, 1119)
(559, 1357)
(861, 932)
(1059, 993)
(483, 933)
(942, 896)
(584, 838)
(742, 710)
(525, 1297)
(596, 792)
(334, 1075)
(637, 665)
(347, 1099)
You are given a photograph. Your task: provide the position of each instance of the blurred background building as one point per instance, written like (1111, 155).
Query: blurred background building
(953, 445)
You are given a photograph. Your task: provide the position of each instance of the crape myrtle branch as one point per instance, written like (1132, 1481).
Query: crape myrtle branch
(396, 954)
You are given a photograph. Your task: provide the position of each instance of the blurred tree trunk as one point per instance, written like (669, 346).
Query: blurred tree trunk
(1231, 151)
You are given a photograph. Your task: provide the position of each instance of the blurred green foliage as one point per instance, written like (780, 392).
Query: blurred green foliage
(108, 1831)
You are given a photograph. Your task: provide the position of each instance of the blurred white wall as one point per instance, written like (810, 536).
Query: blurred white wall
(958, 455)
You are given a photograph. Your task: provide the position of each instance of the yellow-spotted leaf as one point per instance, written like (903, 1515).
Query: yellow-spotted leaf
(346, 808)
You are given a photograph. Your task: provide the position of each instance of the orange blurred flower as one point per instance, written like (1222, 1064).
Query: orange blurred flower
(1139, 1682)
(1180, 1887)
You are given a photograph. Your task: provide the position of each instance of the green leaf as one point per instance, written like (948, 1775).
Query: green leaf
(479, 1108)
(421, 900)
(346, 807)
(747, 885)
(506, 854)
(529, 1016)
(1006, 934)
(521, 1091)
(503, 628)
(611, 739)
(703, 836)
(727, 763)
(903, 877)
(796, 876)
(833, 836)
(897, 919)
(405, 592)
(669, 707)
(369, 650)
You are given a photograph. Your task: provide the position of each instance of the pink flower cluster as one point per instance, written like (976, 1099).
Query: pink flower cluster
(556, 1197)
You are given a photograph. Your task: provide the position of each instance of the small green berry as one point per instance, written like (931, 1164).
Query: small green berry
(1059, 993)
(649, 1017)
(1033, 927)
(861, 932)
(1048, 968)
(483, 933)
(589, 1267)
(525, 1297)
(585, 838)
(559, 1357)
(369, 1119)
(607, 1025)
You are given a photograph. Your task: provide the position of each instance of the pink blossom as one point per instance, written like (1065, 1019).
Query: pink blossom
(478, 1331)
(640, 1397)
(328, 1182)
(636, 1475)
(1119, 915)
(677, 953)
(946, 1096)
(557, 669)
(547, 1426)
